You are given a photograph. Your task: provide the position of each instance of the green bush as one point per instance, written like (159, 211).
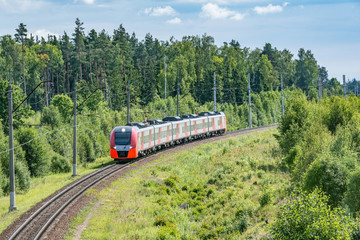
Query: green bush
(35, 151)
(60, 164)
(352, 198)
(294, 122)
(60, 143)
(51, 116)
(65, 106)
(86, 149)
(265, 198)
(339, 111)
(328, 175)
(307, 217)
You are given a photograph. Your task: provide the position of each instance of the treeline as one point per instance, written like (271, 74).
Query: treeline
(114, 62)
(321, 144)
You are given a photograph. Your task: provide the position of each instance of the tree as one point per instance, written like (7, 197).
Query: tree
(306, 70)
(64, 105)
(20, 37)
(79, 42)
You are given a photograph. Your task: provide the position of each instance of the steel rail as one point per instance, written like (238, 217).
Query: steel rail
(56, 197)
(69, 201)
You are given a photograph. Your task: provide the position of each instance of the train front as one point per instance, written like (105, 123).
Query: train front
(123, 143)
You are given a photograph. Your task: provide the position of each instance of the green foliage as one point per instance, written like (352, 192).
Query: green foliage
(330, 176)
(353, 192)
(265, 198)
(294, 122)
(86, 149)
(65, 106)
(51, 116)
(35, 151)
(307, 216)
(60, 164)
(340, 113)
(60, 143)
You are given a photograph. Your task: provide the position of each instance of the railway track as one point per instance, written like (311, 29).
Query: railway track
(40, 223)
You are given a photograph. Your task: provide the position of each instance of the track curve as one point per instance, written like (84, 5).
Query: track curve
(36, 225)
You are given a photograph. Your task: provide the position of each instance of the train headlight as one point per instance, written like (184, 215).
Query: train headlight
(114, 147)
(130, 147)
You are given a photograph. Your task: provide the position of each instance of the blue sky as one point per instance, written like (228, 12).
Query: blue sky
(330, 29)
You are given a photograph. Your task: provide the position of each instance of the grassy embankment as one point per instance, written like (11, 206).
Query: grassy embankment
(227, 189)
(40, 189)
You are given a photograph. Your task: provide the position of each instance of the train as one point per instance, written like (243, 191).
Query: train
(143, 138)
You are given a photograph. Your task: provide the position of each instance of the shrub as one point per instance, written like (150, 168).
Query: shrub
(339, 114)
(51, 116)
(328, 175)
(35, 153)
(307, 216)
(86, 149)
(265, 198)
(294, 122)
(352, 198)
(65, 106)
(60, 164)
(60, 143)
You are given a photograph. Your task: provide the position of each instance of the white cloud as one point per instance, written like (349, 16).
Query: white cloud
(215, 1)
(17, 6)
(44, 33)
(174, 21)
(160, 11)
(85, 1)
(213, 11)
(269, 9)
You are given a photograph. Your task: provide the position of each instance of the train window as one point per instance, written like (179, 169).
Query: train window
(122, 138)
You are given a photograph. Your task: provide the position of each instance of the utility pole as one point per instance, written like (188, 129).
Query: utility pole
(344, 82)
(214, 92)
(165, 76)
(320, 88)
(178, 92)
(282, 95)
(128, 101)
(128, 98)
(250, 121)
(11, 150)
(356, 89)
(75, 135)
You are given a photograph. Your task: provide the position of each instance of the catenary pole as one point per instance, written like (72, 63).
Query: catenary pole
(11, 150)
(75, 134)
(178, 92)
(165, 76)
(250, 121)
(320, 88)
(282, 95)
(128, 100)
(214, 92)
(344, 82)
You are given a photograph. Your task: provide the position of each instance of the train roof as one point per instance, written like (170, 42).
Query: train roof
(173, 118)
(210, 113)
(138, 124)
(187, 116)
(155, 121)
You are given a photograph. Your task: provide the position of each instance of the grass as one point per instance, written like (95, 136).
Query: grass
(40, 189)
(223, 190)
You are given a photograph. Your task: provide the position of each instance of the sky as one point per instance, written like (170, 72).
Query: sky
(330, 29)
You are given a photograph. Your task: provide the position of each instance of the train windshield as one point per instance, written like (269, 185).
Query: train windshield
(122, 138)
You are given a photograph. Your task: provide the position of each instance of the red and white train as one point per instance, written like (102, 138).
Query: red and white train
(139, 139)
